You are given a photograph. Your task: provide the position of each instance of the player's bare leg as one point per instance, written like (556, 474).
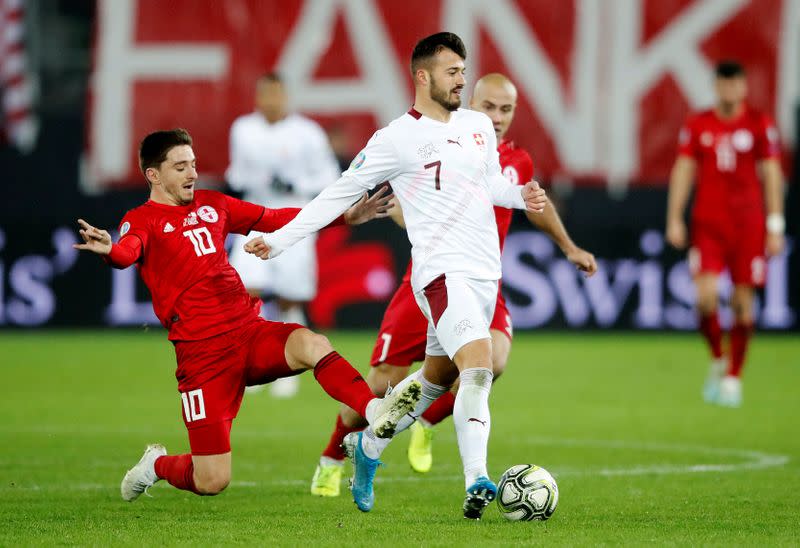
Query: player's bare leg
(200, 474)
(327, 476)
(730, 390)
(707, 286)
(420, 446)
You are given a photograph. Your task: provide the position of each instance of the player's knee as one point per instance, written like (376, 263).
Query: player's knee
(313, 348)
(499, 365)
(706, 304)
(212, 482)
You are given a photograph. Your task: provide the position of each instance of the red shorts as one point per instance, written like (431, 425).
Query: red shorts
(212, 374)
(403, 335)
(742, 253)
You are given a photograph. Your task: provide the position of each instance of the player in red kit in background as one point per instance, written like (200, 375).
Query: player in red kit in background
(402, 336)
(733, 222)
(176, 240)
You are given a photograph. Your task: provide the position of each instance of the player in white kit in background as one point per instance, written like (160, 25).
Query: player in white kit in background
(279, 159)
(442, 163)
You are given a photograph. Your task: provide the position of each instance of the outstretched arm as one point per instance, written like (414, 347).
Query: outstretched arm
(378, 162)
(550, 223)
(119, 255)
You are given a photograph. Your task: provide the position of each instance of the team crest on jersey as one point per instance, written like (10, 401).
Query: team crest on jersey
(706, 139)
(511, 174)
(742, 140)
(208, 214)
(126, 226)
(479, 140)
(427, 150)
(191, 219)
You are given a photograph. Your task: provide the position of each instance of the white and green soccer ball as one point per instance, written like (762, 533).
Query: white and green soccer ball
(527, 492)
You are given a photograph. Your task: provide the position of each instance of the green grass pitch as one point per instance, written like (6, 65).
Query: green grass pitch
(617, 418)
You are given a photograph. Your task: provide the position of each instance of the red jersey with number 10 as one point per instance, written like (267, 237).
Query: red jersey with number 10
(180, 254)
(727, 153)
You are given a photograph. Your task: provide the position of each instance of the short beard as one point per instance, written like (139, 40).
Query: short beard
(441, 96)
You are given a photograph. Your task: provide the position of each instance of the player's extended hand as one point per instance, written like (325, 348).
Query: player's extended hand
(95, 240)
(676, 233)
(258, 247)
(534, 196)
(583, 261)
(367, 208)
(775, 243)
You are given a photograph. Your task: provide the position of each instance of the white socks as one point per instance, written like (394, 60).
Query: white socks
(372, 445)
(472, 421)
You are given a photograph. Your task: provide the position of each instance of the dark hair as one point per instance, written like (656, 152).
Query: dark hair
(729, 69)
(433, 44)
(155, 146)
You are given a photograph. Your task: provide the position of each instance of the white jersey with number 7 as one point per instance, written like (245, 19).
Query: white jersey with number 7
(446, 177)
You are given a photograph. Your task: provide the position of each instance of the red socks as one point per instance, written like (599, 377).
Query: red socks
(334, 449)
(440, 409)
(740, 336)
(709, 327)
(178, 470)
(343, 383)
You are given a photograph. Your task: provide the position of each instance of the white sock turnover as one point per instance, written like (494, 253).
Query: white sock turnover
(472, 421)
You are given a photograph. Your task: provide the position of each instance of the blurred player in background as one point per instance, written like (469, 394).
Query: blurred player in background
(443, 166)
(176, 240)
(402, 336)
(734, 222)
(284, 160)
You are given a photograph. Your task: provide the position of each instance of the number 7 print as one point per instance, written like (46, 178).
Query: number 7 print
(438, 165)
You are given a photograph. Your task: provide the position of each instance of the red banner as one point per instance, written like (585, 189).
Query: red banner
(604, 86)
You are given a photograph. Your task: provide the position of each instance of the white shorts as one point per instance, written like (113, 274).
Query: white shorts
(291, 276)
(459, 311)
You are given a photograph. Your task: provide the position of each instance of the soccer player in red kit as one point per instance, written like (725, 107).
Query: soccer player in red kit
(176, 240)
(402, 337)
(734, 222)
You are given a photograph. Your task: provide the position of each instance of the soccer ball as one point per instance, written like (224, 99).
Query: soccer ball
(527, 492)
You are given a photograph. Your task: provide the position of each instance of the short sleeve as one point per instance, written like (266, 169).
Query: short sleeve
(377, 162)
(767, 140)
(242, 216)
(687, 140)
(134, 226)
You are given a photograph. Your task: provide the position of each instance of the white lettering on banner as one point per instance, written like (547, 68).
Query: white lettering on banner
(120, 63)
(549, 285)
(635, 69)
(381, 87)
(32, 300)
(124, 309)
(568, 116)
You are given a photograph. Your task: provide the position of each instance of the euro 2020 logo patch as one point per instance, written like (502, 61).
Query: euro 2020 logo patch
(358, 161)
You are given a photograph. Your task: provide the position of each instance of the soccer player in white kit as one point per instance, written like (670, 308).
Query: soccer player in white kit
(442, 163)
(279, 159)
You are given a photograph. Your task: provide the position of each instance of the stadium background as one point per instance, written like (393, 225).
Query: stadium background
(604, 89)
